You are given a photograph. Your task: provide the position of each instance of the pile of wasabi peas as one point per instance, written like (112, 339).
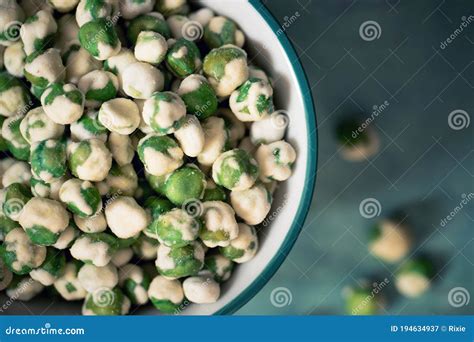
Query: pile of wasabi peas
(140, 152)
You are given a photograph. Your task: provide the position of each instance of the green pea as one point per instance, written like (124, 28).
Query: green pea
(13, 95)
(157, 206)
(168, 8)
(16, 196)
(17, 145)
(88, 127)
(157, 183)
(186, 183)
(106, 302)
(54, 264)
(175, 228)
(214, 194)
(187, 260)
(170, 155)
(220, 267)
(421, 266)
(44, 67)
(217, 59)
(235, 170)
(183, 58)
(48, 159)
(99, 38)
(148, 22)
(82, 197)
(122, 180)
(227, 34)
(199, 96)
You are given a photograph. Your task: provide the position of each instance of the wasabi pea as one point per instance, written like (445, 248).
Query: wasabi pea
(253, 101)
(135, 283)
(151, 47)
(16, 196)
(93, 224)
(226, 68)
(63, 6)
(36, 126)
(170, 7)
(145, 248)
(67, 237)
(81, 197)
(11, 13)
(275, 161)
(201, 290)
(93, 277)
(37, 33)
(214, 192)
(253, 204)
(24, 289)
(219, 266)
(221, 31)
(13, 96)
(125, 217)
(40, 188)
(270, 129)
(235, 170)
(43, 220)
(414, 277)
(78, 62)
(48, 160)
(17, 172)
(68, 285)
(106, 302)
(100, 39)
(165, 294)
(120, 116)
(361, 300)
(63, 103)
(216, 138)
(89, 160)
(140, 80)
(94, 248)
(89, 10)
(234, 126)
(190, 136)
(44, 67)
(177, 262)
(177, 24)
(88, 127)
(14, 59)
(174, 228)
(98, 86)
(199, 96)
(184, 184)
(122, 256)
(157, 206)
(202, 16)
(51, 269)
(357, 144)
(152, 21)
(17, 145)
(157, 183)
(389, 241)
(219, 224)
(121, 148)
(159, 154)
(132, 8)
(19, 254)
(122, 180)
(164, 112)
(244, 247)
(183, 58)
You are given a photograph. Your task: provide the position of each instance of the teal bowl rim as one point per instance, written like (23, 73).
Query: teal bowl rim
(303, 208)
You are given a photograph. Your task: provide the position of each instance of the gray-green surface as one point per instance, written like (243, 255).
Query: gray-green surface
(423, 168)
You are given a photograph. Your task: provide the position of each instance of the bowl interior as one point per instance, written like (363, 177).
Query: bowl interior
(266, 51)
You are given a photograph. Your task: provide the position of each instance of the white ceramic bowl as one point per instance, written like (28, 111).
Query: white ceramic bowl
(268, 48)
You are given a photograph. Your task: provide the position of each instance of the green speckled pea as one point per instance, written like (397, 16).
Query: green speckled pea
(95, 248)
(44, 67)
(11, 13)
(164, 112)
(169, 8)
(235, 170)
(220, 267)
(244, 247)
(166, 294)
(145, 248)
(106, 302)
(161, 155)
(183, 58)
(157, 183)
(253, 101)
(184, 184)
(414, 277)
(37, 91)
(122, 180)
(98, 86)
(177, 262)
(226, 68)
(63, 103)
(100, 39)
(88, 127)
(135, 283)
(83, 157)
(13, 95)
(6, 225)
(157, 206)
(19, 254)
(51, 269)
(148, 22)
(175, 228)
(214, 192)
(16, 196)
(38, 32)
(48, 159)
(82, 197)
(199, 96)
(221, 31)
(17, 145)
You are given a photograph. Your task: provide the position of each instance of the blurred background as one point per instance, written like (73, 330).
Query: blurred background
(412, 63)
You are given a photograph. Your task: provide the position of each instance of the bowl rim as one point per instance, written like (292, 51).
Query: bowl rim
(310, 177)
